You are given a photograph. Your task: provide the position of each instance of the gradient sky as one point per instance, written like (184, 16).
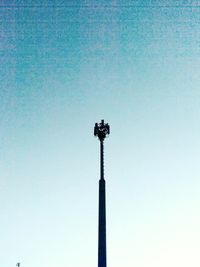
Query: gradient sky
(66, 65)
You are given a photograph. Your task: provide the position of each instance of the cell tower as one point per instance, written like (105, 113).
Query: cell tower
(102, 130)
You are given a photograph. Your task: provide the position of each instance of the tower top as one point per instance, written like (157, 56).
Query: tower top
(101, 130)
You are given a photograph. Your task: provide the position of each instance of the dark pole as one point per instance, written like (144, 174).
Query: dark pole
(102, 159)
(101, 130)
(102, 215)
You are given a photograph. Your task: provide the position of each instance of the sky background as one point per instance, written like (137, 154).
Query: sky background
(65, 65)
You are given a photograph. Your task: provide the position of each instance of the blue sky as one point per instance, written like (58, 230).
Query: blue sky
(64, 67)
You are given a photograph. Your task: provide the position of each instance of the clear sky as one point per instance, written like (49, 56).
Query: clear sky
(66, 65)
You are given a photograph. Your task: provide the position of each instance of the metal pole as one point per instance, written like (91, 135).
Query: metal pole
(102, 160)
(102, 130)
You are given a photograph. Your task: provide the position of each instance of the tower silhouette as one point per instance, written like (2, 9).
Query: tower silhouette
(102, 130)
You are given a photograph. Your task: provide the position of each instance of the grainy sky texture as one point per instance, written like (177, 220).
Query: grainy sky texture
(66, 65)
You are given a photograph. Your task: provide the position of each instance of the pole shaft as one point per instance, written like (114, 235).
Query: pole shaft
(102, 160)
(102, 213)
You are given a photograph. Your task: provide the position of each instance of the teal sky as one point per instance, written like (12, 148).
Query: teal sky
(66, 65)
